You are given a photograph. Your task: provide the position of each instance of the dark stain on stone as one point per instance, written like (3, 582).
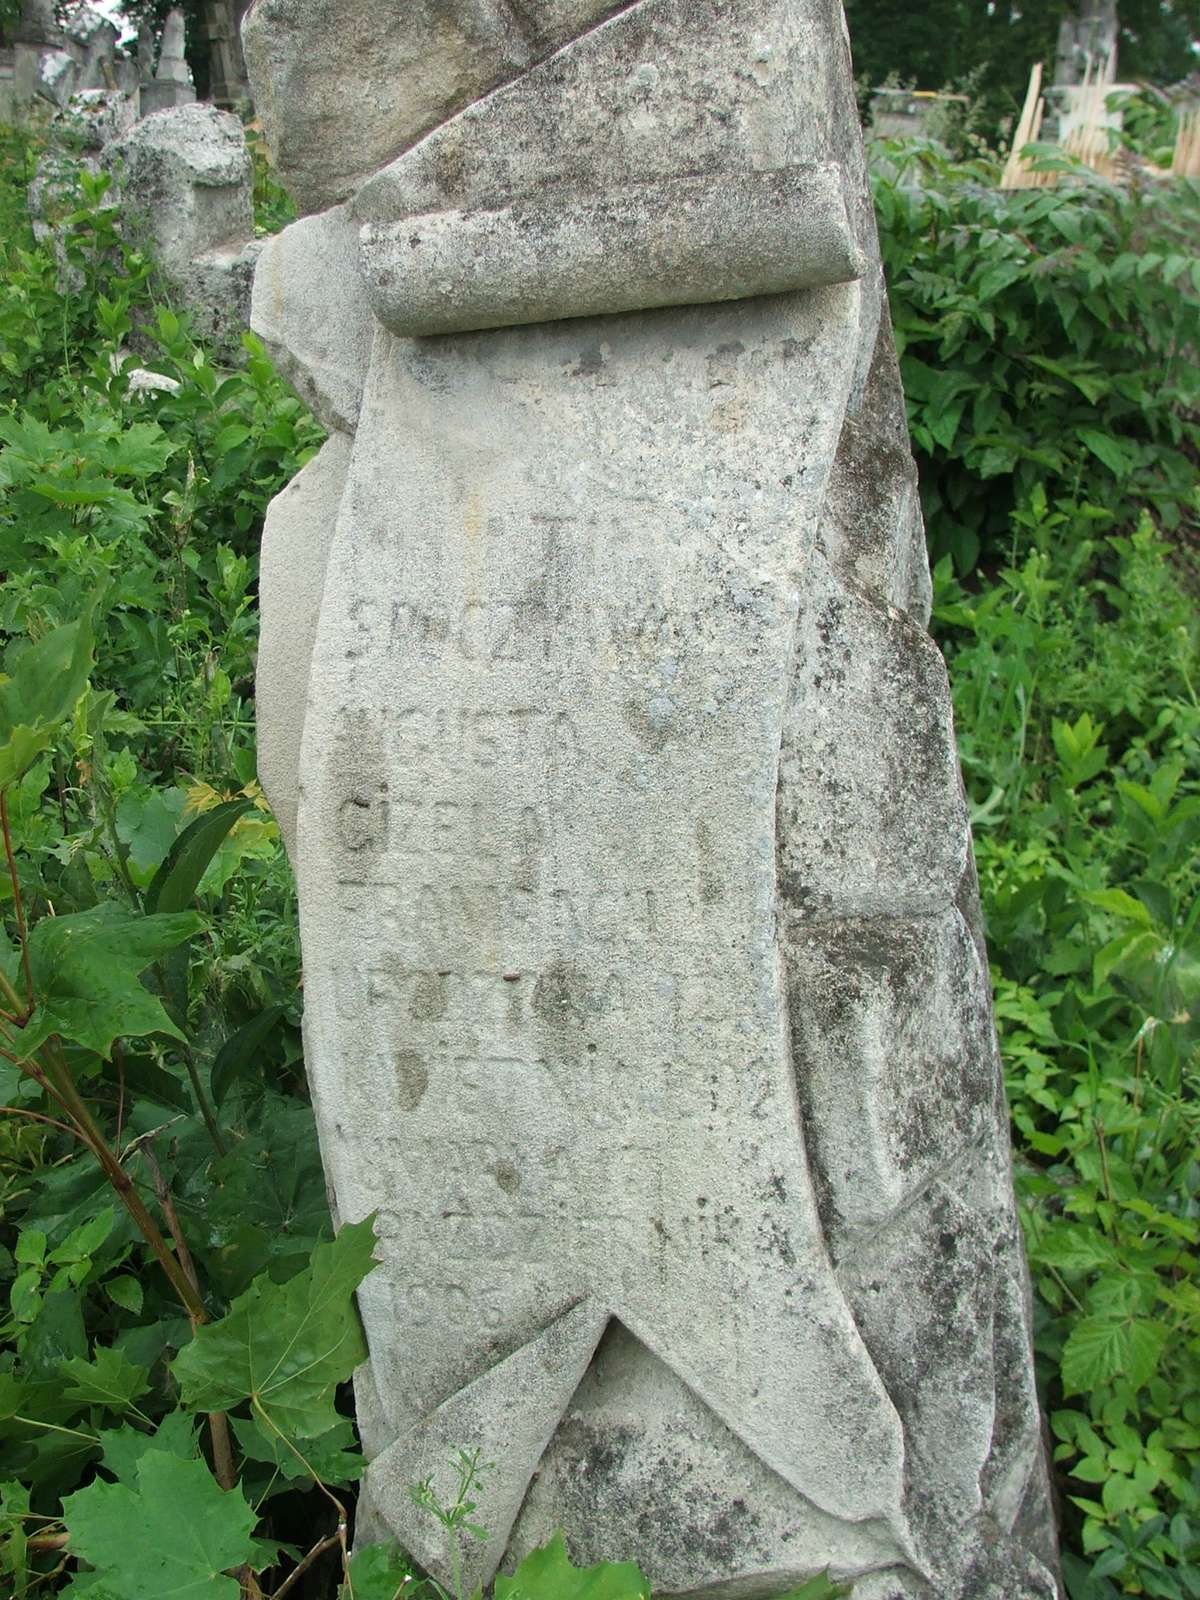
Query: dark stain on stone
(712, 888)
(777, 1241)
(449, 166)
(800, 896)
(531, 843)
(412, 1079)
(563, 997)
(591, 361)
(652, 732)
(360, 815)
(507, 1176)
(428, 998)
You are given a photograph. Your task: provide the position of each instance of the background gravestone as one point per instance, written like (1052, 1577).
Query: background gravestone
(170, 84)
(186, 188)
(645, 993)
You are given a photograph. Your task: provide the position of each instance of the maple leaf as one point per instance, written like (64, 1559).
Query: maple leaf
(170, 1538)
(285, 1346)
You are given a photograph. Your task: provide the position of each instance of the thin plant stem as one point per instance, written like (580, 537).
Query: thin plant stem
(121, 1182)
(206, 1110)
(48, 1577)
(30, 1067)
(14, 999)
(257, 1407)
(1137, 1071)
(49, 1541)
(120, 853)
(53, 1427)
(36, 1116)
(119, 1058)
(162, 1193)
(264, 1417)
(222, 1449)
(218, 1422)
(293, 1577)
(18, 905)
(1098, 1127)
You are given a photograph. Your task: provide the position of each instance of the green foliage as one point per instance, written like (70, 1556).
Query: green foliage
(183, 867)
(547, 1574)
(172, 1533)
(1043, 335)
(1074, 682)
(283, 1348)
(380, 1572)
(84, 969)
(1150, 123)
(274, 208)
(147, 934)
(110, 1380)
(47, 678)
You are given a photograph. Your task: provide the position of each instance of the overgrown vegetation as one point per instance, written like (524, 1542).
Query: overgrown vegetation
(1048, 343)
(158, 1320)
(1048, 339)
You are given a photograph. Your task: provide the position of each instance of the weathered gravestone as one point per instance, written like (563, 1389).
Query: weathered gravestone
(170, 84)
(1087, 43)
(645, 993)
(186, 189)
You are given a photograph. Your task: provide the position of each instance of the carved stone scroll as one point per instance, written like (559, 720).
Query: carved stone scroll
(645, 994)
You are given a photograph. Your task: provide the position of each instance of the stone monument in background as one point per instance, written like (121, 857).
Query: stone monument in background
(170, 84)
(646, 999)
(1087, 44)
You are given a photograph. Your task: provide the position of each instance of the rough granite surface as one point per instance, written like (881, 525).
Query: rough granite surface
(646, 999)
(184, 177)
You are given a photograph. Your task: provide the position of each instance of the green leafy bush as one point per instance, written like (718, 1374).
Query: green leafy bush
(1080, 732)
(150, 1078)
(1048, 336)
(1048, 344)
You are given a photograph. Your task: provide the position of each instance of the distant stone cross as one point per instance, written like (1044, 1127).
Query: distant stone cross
(645, 997)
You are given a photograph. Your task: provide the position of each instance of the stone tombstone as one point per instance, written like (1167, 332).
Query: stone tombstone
(186, 192)
(171, 83)
(217, 25)
(1087, 44)
(646, 998)
(36, 39)
(93, 37)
